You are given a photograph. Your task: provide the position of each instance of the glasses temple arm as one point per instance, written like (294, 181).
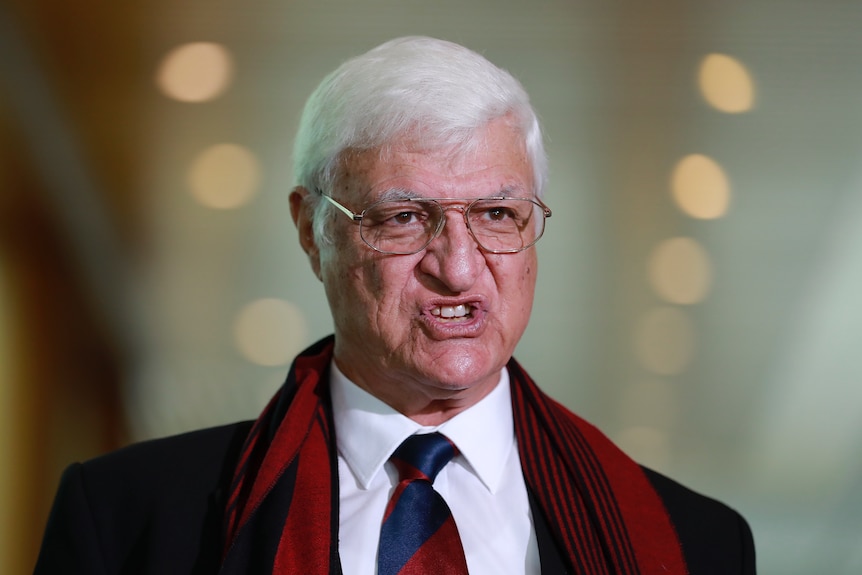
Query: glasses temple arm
(353, 216)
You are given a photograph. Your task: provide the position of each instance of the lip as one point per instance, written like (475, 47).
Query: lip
(439, 328)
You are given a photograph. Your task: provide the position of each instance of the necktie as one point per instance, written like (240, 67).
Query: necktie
(418, 535)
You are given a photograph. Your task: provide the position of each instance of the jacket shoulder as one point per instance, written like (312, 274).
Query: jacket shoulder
(177, 461)
(715, 538)
(152, 507)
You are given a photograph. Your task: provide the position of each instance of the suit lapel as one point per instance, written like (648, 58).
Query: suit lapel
(550, 558)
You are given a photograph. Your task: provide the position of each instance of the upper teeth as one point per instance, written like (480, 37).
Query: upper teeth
(448, 311)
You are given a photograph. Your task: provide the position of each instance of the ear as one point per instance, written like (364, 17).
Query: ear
(301, 212)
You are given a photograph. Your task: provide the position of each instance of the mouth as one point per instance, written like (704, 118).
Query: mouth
(460, 312)
(448, 318)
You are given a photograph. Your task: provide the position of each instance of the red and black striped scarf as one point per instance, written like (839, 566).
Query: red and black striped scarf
(602, 511)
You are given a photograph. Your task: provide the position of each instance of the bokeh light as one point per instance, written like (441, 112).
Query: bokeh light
(664, 341)
(224, 176)
(680, 271)
(726, 84)
(700, 187)
(270, 331)
(195, 72)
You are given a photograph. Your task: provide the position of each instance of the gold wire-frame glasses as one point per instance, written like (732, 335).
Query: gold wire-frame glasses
(404, 226)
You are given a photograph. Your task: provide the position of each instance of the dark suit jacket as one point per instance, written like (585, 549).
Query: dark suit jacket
(156, 508)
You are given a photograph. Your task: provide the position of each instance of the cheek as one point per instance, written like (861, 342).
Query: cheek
(374, 276)
(527, 287)
(531, 267)
(521, 274)
(369, 283)
(394, 273)
(524, 283)
(341, 276)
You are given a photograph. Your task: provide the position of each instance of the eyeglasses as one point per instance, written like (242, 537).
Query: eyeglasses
(405, 226)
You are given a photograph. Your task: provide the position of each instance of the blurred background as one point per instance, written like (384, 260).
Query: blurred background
(700, 281)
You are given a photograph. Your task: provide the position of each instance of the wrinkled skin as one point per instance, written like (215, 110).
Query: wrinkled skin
(388, 339)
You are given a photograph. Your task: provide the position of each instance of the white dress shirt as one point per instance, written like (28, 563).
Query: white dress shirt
(483, 485)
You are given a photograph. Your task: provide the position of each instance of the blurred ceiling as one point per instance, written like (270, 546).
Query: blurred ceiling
(762, 411)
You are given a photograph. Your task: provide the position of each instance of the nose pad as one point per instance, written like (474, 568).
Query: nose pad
(444, 221)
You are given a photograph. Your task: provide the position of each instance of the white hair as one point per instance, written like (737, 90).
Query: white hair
(440, 92)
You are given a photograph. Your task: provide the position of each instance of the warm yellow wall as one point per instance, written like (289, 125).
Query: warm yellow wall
(12, 560)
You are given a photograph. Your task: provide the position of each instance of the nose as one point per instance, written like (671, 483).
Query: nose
(453, 257)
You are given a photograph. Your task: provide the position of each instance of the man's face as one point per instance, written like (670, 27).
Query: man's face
(395, 334)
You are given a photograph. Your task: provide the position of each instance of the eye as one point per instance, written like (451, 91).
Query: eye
(499, 213)
(496, 213)
(397, 214)
(405, 217)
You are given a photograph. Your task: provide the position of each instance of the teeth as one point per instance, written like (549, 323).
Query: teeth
(448, 311)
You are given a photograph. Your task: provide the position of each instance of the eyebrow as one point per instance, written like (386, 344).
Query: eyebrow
(507, 191)
(397, 194)
(514, 191)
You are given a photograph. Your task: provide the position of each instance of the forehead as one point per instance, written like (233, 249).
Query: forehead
(494, 160)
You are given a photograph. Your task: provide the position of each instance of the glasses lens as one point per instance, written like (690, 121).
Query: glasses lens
(400, 226)
(506, 225)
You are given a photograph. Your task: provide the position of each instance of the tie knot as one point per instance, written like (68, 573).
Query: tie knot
(423, 456)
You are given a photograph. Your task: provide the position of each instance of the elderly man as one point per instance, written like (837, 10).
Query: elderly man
(410, 441)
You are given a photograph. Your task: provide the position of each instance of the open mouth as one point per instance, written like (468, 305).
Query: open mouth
(452, 312)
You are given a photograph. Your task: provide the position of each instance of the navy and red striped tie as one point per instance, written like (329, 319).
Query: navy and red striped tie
(419, 536)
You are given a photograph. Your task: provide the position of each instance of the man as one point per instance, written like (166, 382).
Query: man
(420, 171)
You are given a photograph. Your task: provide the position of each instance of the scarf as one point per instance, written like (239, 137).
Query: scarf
(282, 510)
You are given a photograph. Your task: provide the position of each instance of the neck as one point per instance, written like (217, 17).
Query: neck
(429, 403)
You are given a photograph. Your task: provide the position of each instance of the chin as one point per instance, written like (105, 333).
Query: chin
(462, 371)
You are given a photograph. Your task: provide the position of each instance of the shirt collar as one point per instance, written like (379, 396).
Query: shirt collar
(368, 431)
